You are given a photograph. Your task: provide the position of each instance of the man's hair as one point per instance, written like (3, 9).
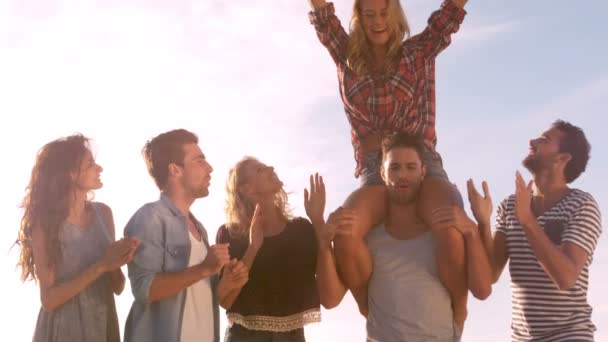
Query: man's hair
(165, 149)
(574, 143)
(402, 140)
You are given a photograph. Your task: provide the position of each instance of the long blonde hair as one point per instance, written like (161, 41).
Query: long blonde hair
(358, 51)
(239, 209)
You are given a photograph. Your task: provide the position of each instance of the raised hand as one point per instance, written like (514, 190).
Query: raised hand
(256, 231)
(523, 200)
(340, 222)
(314, 201)
(217, 257)
(481, 206)
(453, 216)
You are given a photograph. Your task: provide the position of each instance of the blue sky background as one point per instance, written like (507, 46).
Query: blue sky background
(251, 78)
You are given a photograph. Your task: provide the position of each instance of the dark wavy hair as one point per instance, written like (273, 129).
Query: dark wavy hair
(46, 204)
(574, 143)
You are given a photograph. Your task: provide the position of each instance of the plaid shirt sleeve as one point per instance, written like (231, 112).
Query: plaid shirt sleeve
(330, 31)
(437, 35)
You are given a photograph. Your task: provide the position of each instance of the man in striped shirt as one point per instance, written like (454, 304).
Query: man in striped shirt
(548, 232)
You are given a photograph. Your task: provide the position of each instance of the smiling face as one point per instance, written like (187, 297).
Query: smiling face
(544, 152)
(87, 177)
(374, 20)
(403, 172)
(260, 181)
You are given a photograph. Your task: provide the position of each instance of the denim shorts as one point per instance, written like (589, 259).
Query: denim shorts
(372, 161)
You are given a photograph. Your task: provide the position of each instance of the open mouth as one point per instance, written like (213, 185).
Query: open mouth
(379, 31)
(403, 186)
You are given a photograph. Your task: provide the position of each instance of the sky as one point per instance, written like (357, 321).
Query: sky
(251, 78)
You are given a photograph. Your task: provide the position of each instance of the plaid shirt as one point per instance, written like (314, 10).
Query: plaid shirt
(403, 101)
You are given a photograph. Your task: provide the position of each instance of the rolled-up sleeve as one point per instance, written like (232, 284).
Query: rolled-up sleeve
(330, 31)
(149, 257)
(438, 33)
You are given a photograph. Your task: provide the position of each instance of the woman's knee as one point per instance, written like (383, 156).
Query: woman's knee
(370, 205)
(438, 192)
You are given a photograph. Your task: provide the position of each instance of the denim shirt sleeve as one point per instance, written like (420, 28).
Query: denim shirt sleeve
(148, 226)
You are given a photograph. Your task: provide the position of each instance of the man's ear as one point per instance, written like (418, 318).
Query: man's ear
(73, 176)
(174, 170)
(565, 157)
(423, 167)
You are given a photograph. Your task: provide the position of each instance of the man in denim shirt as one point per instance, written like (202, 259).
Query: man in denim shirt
(174, 272)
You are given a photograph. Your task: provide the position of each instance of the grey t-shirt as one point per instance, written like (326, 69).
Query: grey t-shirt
(407, 301)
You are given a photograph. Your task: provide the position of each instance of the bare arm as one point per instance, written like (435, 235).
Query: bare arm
(478, 270)
(250, 255)
(234, 277)
(227, 295)
(117, 278)
(236, 274)
(317, 4)
(496, 249)
(167, 284)
(231, 284)
(331, 288)
(53, 294)
(563, 264)
(482, 207)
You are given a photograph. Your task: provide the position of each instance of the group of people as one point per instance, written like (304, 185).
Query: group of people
(401, 243)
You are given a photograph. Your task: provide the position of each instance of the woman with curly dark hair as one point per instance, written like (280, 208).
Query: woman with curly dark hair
(67, 246)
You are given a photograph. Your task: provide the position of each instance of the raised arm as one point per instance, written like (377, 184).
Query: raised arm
(495, 247)
(478, 269)
(563, 262)
(331, 288)
(256, 237)
(438, 33)
(236, 274)
(329, 29)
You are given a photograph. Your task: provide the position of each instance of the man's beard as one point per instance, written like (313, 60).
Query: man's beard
(536, 164)
(195, 191)
(400, 198)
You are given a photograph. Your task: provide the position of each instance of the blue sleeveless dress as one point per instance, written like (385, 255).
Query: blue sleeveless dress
(91, 315)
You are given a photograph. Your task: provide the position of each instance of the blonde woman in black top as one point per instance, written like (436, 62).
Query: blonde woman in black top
(289, 259)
